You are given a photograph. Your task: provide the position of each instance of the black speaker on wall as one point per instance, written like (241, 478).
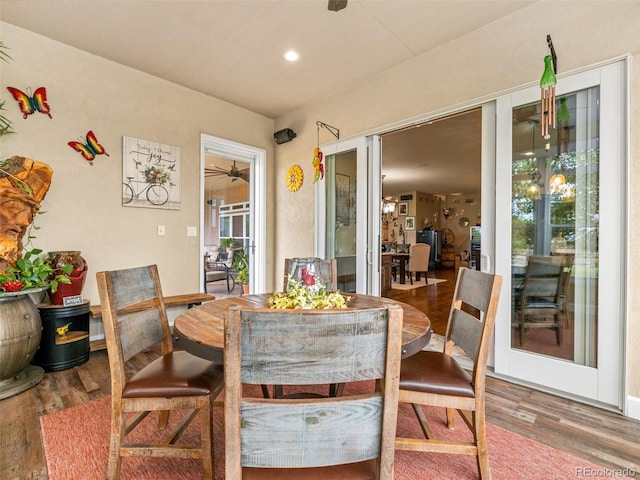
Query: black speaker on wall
(283, 136)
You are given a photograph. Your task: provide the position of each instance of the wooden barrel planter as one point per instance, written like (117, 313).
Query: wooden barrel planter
(20, 332)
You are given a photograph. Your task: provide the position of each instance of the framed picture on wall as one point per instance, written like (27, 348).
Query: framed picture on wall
(410, 223)
(150, 174)
(403, 207)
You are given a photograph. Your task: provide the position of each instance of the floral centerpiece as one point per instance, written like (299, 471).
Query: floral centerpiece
(305, 294)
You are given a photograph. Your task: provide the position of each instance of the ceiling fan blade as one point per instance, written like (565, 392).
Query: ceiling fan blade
(335, 5)
(215, 172)
(244, 175)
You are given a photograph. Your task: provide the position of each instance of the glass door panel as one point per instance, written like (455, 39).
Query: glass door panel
(341, 217)
(555, 212)
(560, 322)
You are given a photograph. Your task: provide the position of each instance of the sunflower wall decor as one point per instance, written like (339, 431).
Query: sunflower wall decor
(294, 178)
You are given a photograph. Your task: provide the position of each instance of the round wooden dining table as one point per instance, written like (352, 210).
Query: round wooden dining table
(200, 329)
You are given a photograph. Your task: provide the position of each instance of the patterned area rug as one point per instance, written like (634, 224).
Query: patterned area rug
(76, 442)
(408, 286)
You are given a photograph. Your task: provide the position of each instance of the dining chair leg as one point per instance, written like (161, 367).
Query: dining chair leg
(163, 419)
(118, 427)
(481, 442)
(451, 418)
(559, 327)
(206, 432)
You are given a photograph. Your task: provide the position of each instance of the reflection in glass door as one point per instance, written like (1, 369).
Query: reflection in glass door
(341, 217)
(555, 229)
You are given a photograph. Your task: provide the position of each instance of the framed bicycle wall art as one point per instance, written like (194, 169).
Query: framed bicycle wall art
(150, 174)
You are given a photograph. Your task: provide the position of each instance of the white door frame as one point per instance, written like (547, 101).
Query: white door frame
(256, 158)
(604, 384)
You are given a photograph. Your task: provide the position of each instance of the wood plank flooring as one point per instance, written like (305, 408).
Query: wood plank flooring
(596, 435)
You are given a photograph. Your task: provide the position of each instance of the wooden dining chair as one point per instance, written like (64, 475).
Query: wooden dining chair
(538, 302)
(437, 379)
(135, 319)
(346, 437)
(328, 271)
(419, 261)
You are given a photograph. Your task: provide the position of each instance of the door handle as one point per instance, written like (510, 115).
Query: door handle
(485, 263)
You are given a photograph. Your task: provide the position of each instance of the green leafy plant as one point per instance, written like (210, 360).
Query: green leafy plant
(5, 123)
(228, 242)
(32, 271)
(241, 265)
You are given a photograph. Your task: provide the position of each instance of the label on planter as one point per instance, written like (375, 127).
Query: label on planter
(74, 300)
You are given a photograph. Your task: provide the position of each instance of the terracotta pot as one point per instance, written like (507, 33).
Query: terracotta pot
(77, 275)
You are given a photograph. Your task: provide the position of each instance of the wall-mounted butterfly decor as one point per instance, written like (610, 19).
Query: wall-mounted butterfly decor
(90, 149)
(29, 104)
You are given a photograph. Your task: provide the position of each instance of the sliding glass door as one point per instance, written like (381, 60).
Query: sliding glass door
(344, 213)
(561, 197)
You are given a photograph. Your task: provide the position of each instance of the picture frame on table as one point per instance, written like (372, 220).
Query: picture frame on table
(403, 208)
(410, 223)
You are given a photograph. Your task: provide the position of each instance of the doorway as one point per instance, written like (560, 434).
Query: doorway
(431, 193)
(233, 199)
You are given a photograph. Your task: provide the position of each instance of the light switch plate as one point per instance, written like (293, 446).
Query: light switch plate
(161, 230)
(192, 231)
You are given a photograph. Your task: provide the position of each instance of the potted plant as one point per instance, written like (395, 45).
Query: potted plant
(228, 243)
(33, 272)
(241, 265)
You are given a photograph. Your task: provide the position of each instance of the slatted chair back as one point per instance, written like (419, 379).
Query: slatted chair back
(134, 315)
(472, 318)
(543, 278)
(328, 271)
(293, 347)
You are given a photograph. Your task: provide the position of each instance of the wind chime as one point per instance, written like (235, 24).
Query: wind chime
(548, 91)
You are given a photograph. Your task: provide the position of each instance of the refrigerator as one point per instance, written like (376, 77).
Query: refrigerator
(433, 238)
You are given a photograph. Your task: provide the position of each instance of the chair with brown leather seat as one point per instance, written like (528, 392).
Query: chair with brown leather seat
(347, 437)
(135, 319)
(437, 379)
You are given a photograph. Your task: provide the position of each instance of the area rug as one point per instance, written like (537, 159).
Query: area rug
(421, 283)
(76, 443)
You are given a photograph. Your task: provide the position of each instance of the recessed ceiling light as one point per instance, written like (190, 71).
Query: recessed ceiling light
(291, 56)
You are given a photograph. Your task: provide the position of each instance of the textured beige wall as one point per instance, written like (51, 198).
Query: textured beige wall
(496, 58)
(83, 207)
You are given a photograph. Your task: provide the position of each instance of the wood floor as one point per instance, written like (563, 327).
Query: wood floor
(599, 436)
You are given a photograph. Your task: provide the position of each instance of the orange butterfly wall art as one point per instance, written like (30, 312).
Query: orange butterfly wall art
(29, 104)
(90, 149)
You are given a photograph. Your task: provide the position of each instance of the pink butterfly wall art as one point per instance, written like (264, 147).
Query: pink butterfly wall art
(90, 149)
(28, 104)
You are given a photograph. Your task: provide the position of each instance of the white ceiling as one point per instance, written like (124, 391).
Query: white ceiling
(232, 50)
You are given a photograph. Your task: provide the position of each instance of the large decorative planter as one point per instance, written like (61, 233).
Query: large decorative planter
(20, 332)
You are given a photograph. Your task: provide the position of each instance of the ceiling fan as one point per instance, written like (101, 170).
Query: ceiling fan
(233, 172)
